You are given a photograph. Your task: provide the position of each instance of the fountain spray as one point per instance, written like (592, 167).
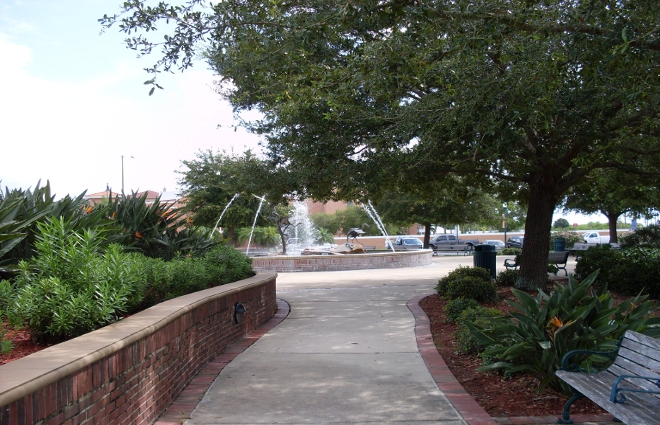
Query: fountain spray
(376, 218)
(254, 222)
(223, 213)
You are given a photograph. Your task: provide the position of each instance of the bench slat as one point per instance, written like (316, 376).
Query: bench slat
(558, 257)
(638, 355)
(650, 347)
(643, 339)
(641, 383)
(636, 361)
(640, 408)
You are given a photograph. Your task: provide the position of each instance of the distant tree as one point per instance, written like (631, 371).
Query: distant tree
(212, 179)
(451, 203)
(614, 193)
(513, 214)
(561, 223)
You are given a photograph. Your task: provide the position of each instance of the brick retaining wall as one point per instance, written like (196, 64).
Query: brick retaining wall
(129, 372)
(323, 263)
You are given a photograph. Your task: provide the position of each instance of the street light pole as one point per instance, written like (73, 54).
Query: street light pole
(122, 174)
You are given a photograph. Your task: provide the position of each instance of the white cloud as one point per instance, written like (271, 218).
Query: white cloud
(74, 133)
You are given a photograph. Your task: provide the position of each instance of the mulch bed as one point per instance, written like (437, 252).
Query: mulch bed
(500, 397)
(22, 345)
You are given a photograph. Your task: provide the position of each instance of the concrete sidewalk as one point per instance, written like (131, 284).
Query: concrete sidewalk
(346, 354)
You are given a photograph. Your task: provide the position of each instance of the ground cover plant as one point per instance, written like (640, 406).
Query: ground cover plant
(538, 331)
(524, 392)
(75, 284)
(67, 267)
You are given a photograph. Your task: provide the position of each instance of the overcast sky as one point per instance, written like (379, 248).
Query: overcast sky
(72, 102)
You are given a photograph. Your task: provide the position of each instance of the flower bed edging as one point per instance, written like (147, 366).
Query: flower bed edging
(130, 371)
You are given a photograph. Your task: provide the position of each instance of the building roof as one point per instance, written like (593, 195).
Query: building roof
(150, 194)
(98, 195)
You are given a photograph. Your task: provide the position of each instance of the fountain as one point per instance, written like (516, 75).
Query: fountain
(330, 257)
(308, 257)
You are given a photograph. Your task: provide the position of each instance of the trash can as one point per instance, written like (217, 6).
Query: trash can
(485, 256)
(559, 244)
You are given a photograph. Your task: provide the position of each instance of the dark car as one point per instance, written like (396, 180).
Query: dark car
(446, 240)
(499, 245)
(515, 242)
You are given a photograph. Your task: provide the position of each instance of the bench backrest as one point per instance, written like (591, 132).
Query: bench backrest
(638, 355)
(456, 247)
(558, 257)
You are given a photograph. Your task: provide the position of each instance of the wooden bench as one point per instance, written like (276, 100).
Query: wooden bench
(629, 389)
(559, 259)
(466, 249)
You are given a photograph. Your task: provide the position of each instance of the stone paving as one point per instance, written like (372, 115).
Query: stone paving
(355, 348)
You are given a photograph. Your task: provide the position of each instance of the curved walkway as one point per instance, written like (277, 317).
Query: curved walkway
(349, 352)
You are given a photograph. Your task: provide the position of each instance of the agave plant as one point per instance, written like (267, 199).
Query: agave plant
(21, 211)
(542, 329)
(156, 229)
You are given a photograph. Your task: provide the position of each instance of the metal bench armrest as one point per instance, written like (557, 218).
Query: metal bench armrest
(617, 397)
(565, 365)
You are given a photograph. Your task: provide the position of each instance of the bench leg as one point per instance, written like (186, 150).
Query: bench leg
(566, 413)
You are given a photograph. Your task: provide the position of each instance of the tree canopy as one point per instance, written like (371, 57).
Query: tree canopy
(613, 193)
(213, 178)
(523, 97)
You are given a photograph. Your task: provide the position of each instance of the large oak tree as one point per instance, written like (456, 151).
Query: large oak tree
(525, 97)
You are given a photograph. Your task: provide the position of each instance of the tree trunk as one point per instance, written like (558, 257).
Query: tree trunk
(534, 261)
(281, 230)
(427, 234)
(612, 219)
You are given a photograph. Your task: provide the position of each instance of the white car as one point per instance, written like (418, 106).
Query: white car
(499, 245)
(403, 243)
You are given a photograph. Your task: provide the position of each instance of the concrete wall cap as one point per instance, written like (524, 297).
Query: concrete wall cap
(28, 374)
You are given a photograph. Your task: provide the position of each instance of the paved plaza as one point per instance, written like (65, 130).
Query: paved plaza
(346, 353)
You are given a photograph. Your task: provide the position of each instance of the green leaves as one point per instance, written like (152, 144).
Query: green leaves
(76, 283)
(542, 330)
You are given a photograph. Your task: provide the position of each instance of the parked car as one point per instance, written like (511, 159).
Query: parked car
(499, 245)
(515, 242)
(595, 237)
(450, 240)
(403, 243)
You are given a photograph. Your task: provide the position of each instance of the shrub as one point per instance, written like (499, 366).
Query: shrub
(479, 316)
(459, 273)
(571, 238)
(627, 271)
(473, 288)
(511, 251)
(73, 286)
(454, 308)
(507, 277)
(542, 329)
(647, 237)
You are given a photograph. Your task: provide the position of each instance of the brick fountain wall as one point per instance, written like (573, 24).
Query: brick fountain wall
(316, 263)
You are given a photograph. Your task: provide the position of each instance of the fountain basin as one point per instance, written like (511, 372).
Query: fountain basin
(322, 263)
